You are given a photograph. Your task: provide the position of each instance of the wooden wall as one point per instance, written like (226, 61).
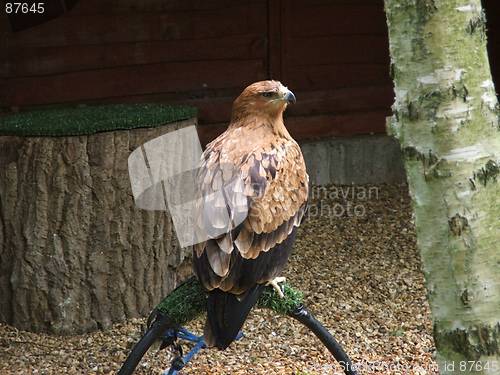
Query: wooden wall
(121, 51)
(332, 54)
(335, 54)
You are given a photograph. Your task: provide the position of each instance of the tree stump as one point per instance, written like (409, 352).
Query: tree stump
(75, 252)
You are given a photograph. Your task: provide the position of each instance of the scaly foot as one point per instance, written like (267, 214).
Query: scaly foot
(275, 284)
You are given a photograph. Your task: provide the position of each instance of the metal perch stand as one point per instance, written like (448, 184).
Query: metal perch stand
(187, 301)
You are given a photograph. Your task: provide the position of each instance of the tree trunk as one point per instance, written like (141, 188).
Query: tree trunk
(446, 119)
(75, 252)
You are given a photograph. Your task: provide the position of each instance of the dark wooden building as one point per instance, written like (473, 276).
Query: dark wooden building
(332, 53)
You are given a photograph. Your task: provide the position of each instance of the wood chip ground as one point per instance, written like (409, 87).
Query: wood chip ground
(357, 263)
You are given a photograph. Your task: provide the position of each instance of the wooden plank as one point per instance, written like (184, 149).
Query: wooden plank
(317, 127)
(324, 77)
(92, 7)
(286, 19)
(337, 49)
(322, 126)
(330, 18)
(130, 27)
(132, 80)
(217, 110)
(359, 99)
(212, 110)
(34, 60)
(274, 38)
(352, 99)
(342, 101)
(335, 2)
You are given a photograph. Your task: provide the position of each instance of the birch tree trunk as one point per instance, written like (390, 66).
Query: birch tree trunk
(446, 119)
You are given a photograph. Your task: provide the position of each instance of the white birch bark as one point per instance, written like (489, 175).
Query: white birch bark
(446, 119)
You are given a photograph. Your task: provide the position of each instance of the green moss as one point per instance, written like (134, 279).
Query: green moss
(87, 120)
(188, 301)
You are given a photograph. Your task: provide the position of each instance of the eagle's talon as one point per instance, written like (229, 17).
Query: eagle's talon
(275, 284)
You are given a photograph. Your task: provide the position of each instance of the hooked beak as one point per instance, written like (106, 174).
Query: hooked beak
(289, 97)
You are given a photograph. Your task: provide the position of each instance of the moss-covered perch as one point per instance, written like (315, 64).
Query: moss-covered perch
(188, 300)
(87, 120)
(75, 252)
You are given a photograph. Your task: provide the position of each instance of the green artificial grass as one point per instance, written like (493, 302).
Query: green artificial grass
(184, 303)
(188, 301)
(271, 300)
(86, 120)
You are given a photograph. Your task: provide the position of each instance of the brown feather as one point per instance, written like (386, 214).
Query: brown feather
(244, 240)
(219, 260)
(225, 243)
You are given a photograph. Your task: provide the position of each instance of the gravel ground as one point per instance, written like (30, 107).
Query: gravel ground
(356, 261)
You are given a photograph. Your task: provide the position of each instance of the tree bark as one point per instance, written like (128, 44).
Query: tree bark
(445, 116)
(75, 252)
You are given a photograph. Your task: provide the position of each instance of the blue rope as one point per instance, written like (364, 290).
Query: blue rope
(182, 333)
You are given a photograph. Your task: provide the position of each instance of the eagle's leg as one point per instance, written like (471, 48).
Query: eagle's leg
(275, 284)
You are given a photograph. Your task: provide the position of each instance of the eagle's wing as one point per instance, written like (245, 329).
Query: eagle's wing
(281, 177)
(268, 185)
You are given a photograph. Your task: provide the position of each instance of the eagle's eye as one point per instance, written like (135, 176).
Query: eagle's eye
(267, 94)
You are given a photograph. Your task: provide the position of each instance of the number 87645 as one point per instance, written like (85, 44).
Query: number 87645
(17, 8)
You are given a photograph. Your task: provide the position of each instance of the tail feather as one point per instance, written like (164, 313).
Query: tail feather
(226, 314)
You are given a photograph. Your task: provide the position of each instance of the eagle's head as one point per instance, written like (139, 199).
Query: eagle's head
(264, 98)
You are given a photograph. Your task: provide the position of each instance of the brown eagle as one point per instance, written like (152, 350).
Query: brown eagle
(265, 170)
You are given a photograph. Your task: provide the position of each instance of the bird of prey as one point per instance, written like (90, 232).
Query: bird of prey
(265, 171)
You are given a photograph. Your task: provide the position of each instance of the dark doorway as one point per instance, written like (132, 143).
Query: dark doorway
(492, 10)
